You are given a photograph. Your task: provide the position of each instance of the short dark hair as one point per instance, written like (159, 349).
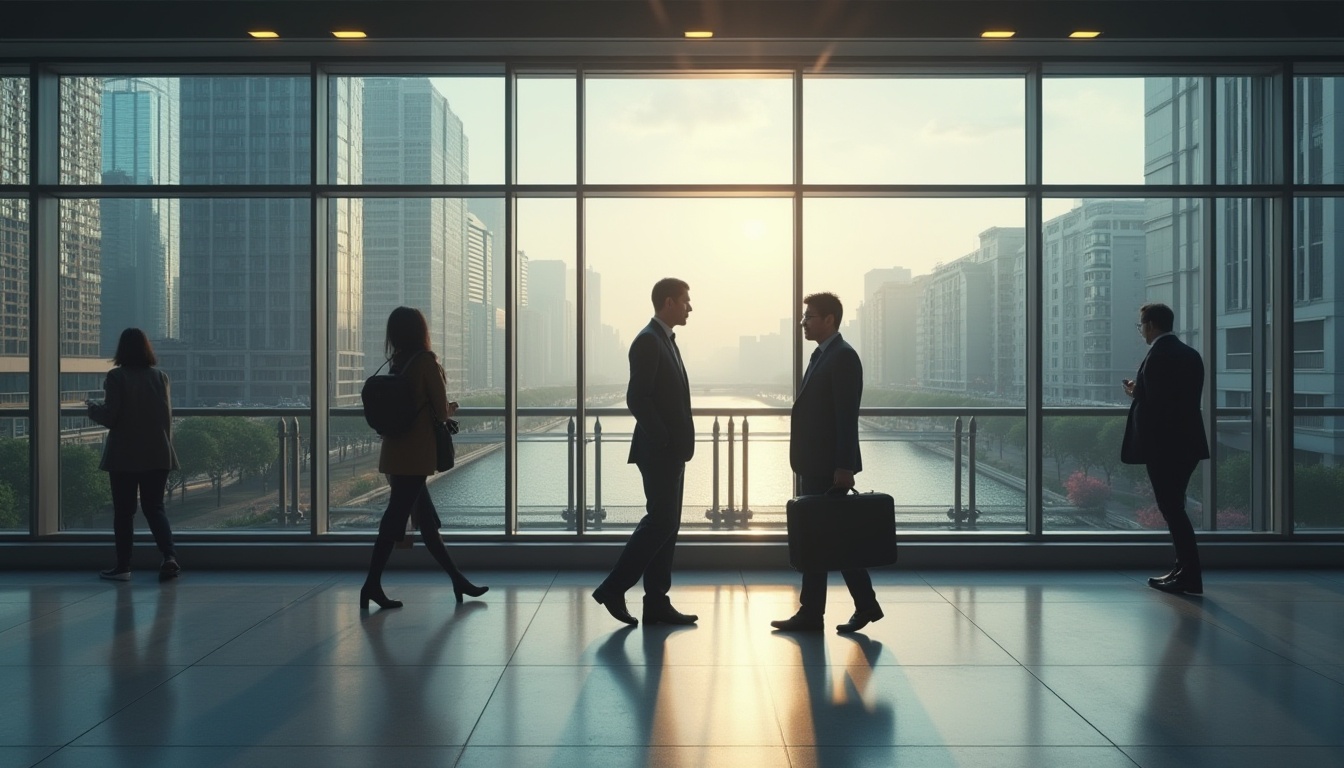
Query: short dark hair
(406, 331)
(1158, 314)
(826, 304)
(134, 350)
(668, 288)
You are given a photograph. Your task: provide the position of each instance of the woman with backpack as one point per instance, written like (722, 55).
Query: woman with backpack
(409, 458)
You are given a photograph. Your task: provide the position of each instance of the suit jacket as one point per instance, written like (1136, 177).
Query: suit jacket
(1164, 423)
(415, 452)
(138, 413)
(659, 396)
(824, 425)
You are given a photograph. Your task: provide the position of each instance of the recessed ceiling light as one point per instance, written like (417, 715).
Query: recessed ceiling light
(1084, 34)
(263, 34)
(699, 34)
(998, 33)
(348, 34)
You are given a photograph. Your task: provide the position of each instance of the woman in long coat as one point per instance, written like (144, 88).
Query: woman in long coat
(138, 453)
(409, 459)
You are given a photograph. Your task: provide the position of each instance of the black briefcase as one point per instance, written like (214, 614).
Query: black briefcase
(835, 532)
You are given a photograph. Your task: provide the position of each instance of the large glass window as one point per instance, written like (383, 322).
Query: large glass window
(1318, 437)
(417, 130)
(1318, 130)
(682, 130)
(233, 129)
(914, 130)
(934, 287)
(547, 127)
(1122, 130)
(445, 257)
(15, 498)
(548, 433)
(13, 130)
(736, 345)
(222, 289)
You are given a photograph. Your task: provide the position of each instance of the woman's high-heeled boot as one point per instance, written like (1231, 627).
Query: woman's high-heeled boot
(373, 583)
(461, 586)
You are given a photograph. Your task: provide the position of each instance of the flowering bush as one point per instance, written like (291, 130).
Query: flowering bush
(1086, 492)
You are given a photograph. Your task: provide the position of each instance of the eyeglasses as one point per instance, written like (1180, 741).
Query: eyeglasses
(807, 317)
(1140, 325)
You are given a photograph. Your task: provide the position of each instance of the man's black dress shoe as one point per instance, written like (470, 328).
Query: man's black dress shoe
(798, 623)
(615, 606)
(666, 614)
(1153, 581)
(1181, 583)
(859, 620)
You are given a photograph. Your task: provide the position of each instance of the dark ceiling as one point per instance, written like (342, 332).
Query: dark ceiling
(1158, 20)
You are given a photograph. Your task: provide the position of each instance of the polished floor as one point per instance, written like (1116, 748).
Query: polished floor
(997, 669)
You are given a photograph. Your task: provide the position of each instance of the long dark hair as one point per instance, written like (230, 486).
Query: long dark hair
(407, 331)
(134, 350)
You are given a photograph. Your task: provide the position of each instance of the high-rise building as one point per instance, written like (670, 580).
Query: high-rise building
(1092, 286)
(415, 249)
(967, 316)
(245, 318)
(480, 312)
(547, 333)
(140, 248)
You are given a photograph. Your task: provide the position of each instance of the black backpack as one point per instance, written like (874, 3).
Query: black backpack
(389, 401)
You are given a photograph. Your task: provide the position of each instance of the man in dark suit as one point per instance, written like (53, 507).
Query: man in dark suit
(659, 396)
(1165, 432)
(824, 451)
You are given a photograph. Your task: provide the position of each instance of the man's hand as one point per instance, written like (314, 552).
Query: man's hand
(1128, 385)
(844, 478)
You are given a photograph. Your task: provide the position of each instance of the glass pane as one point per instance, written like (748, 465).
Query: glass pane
(1122, 130)
(13, 130)
(1243, 241)
(547, 130)
(1318, 130)
(1085, 487)
(678, 130)
(1244, 115)
(547, 364)
(221, 288)
(1102, 260)
(229, 477)
(914, 131)
(417, 130)
(736, 345)
(439, 256)
(14, 337)
(942, 315)
(1318, 440)
(185, 130)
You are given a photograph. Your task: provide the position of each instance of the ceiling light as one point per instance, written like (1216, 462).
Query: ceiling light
(348, 34)
(264, 34)
(998, 33)
(1084, 35)
(699, 34)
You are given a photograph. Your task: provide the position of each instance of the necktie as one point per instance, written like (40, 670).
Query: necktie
(811, 363)
(677, 351)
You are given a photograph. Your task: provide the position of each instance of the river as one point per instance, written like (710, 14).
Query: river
(904, 465)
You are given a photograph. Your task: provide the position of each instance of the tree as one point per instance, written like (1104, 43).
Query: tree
(1075, 437)
(84, 488)
(999, 428)
(1107, 452)
(10, 517)
(197, 450)
(14, 469)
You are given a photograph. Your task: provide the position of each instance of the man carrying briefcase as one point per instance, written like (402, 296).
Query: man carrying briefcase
(824, 452)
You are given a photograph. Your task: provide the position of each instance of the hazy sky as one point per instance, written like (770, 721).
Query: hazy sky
(736, 252)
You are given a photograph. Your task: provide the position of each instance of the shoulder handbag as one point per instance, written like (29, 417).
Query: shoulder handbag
(445, 454)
